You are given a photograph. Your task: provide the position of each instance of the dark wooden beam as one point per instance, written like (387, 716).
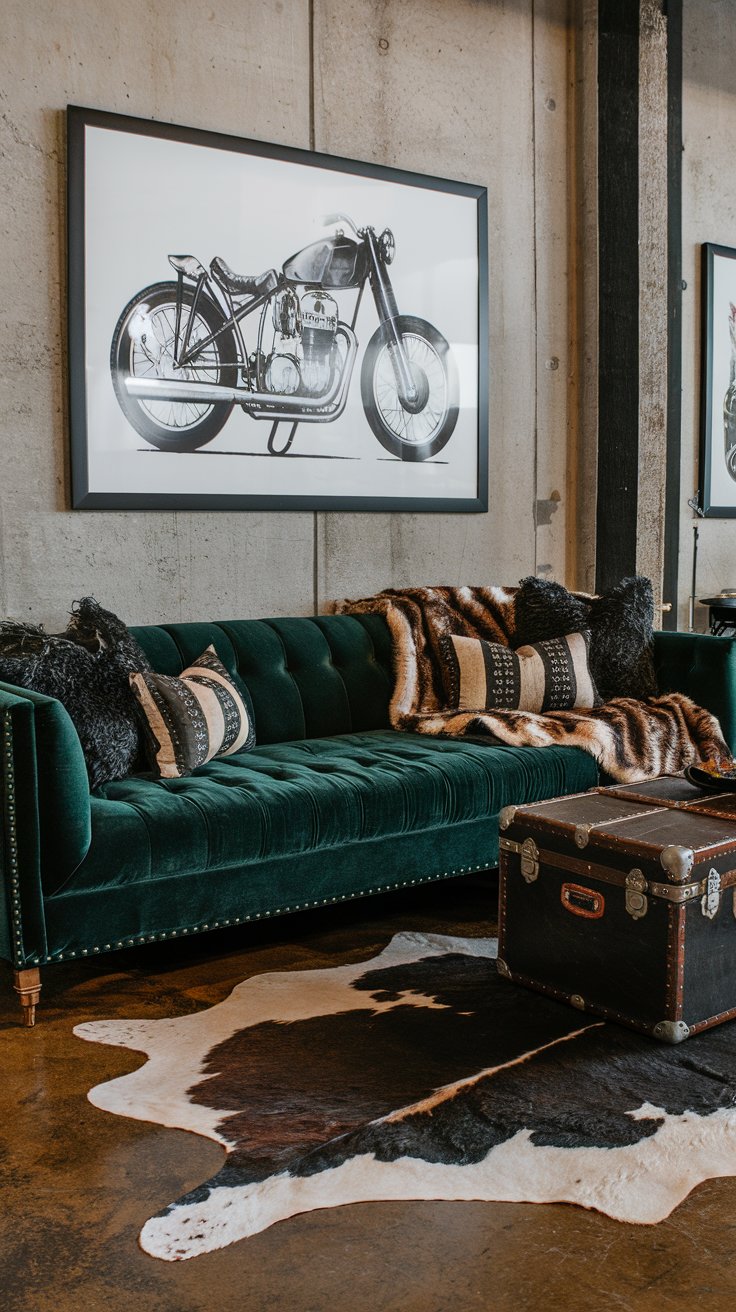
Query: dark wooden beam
(618, 280)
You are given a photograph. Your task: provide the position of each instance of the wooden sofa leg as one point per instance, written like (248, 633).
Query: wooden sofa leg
(27, 984)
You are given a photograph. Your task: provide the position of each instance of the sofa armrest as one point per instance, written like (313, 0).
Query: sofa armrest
(45, 821)
(704, 668)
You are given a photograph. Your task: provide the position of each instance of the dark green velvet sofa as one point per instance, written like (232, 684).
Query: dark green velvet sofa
(332, 804)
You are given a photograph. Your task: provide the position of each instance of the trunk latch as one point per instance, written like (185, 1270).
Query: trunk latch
(636, 901)
(529, 860)
(711, 899)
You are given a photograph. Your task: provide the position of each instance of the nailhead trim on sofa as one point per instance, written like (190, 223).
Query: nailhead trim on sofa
(12, 846)
(142, 939)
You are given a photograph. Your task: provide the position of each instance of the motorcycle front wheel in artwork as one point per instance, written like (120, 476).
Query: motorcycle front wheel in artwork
(419, 430)
(180, 359)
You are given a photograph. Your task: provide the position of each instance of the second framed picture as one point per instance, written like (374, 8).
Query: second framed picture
(718, 382)
(258, 327)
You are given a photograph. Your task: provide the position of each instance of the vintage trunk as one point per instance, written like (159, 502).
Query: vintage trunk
(622, 902)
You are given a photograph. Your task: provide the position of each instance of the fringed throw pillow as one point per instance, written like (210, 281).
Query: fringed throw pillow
(620, 623)
(86, 669)
(193, 718)
(547, 676)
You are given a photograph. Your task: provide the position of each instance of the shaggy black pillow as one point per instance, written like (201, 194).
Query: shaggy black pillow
(86, 668)
(620, 623)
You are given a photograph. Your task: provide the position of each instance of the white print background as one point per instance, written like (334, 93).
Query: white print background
(147, 197)
(722, 486)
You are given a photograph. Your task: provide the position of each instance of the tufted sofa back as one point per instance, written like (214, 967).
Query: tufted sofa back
(307, 678)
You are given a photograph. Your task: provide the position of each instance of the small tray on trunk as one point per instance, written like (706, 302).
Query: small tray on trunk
(713, 774)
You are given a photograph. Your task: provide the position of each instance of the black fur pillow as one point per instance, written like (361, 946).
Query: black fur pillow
(620, 623)
(87, 669)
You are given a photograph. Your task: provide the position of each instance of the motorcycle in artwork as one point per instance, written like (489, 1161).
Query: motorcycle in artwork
(186, 351)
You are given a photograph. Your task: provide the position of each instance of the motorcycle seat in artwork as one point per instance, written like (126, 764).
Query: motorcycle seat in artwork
(243, 284)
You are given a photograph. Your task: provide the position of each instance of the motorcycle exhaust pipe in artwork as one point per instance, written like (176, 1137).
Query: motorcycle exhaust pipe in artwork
(180, 389)
(177, 389)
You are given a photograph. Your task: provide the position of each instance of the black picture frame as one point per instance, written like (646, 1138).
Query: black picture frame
(717, 490)
(98, 185)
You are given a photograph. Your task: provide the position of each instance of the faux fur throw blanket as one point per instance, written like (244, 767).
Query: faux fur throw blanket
(630, 740)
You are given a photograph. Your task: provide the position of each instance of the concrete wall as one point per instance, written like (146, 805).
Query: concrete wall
(473, 89)
(709, 215)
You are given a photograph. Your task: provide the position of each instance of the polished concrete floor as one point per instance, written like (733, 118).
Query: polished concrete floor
(76, 1184)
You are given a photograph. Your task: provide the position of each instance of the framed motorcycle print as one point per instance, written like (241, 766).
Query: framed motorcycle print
(718, 384)
(259, 327)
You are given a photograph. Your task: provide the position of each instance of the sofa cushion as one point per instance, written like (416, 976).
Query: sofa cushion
(314, 676)
(293, 798)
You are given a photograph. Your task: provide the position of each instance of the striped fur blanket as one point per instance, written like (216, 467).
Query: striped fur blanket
(630, 740)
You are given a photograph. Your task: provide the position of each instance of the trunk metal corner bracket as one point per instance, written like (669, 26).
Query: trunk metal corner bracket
(506, 816)
(671, 1031)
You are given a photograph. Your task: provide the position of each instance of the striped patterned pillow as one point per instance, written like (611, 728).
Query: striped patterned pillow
(193, 718)
(553, 675)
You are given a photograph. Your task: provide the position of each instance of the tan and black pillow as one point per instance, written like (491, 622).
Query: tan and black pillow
(193, 718)
(553, 675)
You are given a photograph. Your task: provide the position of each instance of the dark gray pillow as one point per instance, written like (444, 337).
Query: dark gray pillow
(620, 623)
(86, 668)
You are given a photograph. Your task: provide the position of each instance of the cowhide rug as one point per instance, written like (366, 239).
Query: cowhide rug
(420, 1074)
